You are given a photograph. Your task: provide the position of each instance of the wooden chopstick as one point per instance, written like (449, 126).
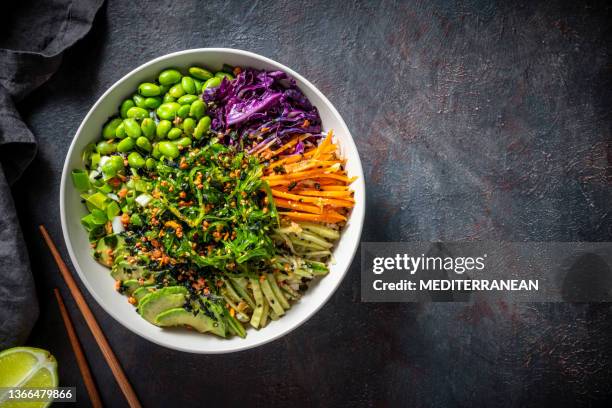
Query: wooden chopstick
(90, 319)
(94, 396)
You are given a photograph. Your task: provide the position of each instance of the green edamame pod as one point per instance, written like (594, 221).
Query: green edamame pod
(168, 149)
(175, 133)
(150, 163)
(222, 75)
(108, 131)
(188, 85)
(126, 145)
(132, 128)
(183, 111)
(211, 83)
(168, 98)
(177, 91)
(148, 127)
(106, 148)
(200, 73)
(168, 110)
(189, 125)
(120, 131)
(135, 160)
(137, 113)
(202, 127)
(198, 109)
(183, 142)
(187, 99)
(163, 127)
(125, 105)
(139, 100)
(169, 77)
(144, 144)
(153, 102)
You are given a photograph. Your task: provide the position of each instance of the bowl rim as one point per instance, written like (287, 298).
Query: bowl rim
(66, 171)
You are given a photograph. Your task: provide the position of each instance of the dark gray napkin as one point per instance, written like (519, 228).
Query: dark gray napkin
(33, 36)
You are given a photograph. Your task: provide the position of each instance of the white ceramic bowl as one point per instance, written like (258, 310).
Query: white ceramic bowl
(97, 278)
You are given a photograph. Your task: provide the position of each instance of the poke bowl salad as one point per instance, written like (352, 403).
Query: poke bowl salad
(214, 198)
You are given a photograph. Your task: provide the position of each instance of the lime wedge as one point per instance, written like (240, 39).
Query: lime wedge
(26, 367)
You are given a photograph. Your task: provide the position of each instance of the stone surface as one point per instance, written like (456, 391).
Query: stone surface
(474, 120)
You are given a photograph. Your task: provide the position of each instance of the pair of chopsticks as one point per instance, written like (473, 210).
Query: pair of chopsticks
(96, 331)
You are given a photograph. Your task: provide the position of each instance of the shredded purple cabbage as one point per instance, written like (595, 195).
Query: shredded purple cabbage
(263, 108)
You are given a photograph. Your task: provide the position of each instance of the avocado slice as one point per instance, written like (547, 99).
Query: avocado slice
(163, 299)
(141, 292)
(102, 253)
(181, 317)
(130, 286)
(123, 270)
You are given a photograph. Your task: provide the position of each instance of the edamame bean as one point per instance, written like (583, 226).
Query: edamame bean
(187, 99)
(144, 143)
(125, 105)
(139, 101)
(200, 73)
(202, 127)
(163, 127)
(109, 170)
(126, 145)
(148, 89)
(174, 133)
(137, 113)
(153, 102)
(189, 125)
(108, 131)
(164, 88)
(198, 109)
(222, 75)
(168, 98)
(150, 163)
(168, 110)
(113, 166)
(188, 85)
(198, 85)
(168, 149)
(135, 160)
(120, 131)
(183, 142)
(169, 77)
(132, 128)
(148, 127)
(211, 83)
(177, 91)
(183, 111)
(106, 147)
(156, 153)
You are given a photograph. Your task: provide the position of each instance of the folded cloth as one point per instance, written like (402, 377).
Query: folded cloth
(33, 36)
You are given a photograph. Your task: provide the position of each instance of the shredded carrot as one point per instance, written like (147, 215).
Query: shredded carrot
(313, 185)
(282, 203)
(315, 200)
(313, 217)
(345, 195)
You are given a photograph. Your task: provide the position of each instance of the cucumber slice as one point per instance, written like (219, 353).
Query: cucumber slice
(278, 292)
(241, 289)
(271, 298)
(260, 302)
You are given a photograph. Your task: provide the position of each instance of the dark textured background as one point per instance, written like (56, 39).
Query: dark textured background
(474, 120)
